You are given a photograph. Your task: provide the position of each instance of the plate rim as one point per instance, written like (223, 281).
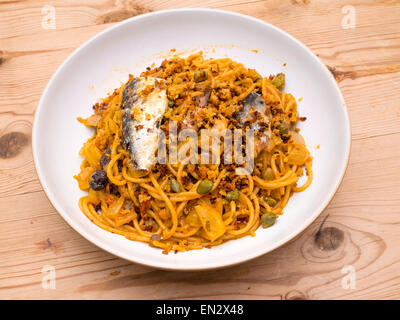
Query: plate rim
(172, 265)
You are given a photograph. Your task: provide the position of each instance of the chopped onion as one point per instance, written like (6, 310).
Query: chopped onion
(298, 139)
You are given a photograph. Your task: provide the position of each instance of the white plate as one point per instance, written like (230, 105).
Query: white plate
(103, 62)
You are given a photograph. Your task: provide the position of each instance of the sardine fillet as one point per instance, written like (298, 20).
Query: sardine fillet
(144, 105)
(255, 102)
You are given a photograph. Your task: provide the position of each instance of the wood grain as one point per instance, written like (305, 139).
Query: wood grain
(360, 227)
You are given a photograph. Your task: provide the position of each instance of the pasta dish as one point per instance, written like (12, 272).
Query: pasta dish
(149, 182)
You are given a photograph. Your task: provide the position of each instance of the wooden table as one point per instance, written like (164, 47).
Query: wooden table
(351, 251)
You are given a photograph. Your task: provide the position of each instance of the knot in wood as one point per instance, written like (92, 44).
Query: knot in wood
(329, 238)
(11, 144)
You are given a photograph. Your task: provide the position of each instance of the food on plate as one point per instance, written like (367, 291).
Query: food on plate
(141, 117)
(151, 176)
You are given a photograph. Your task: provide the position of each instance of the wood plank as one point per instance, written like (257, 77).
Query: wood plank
(45, 238)
(359, 227)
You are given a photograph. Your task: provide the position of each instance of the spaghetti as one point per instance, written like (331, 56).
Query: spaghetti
(184, 206)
